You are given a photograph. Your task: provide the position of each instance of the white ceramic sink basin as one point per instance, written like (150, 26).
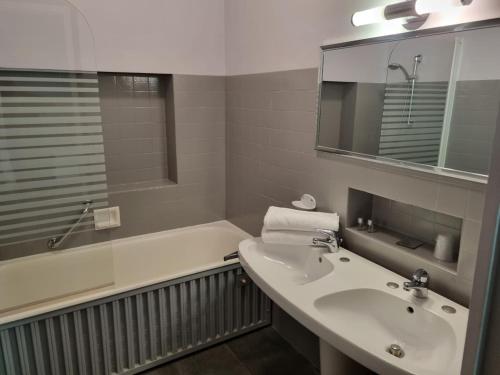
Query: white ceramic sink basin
(295, 265)
(423, 336)
(345, 300)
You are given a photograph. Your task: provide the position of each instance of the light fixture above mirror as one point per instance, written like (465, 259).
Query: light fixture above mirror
(411, 13)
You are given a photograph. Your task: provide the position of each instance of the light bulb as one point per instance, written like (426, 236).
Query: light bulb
(403, 11)
(369, 16)
(436, 6)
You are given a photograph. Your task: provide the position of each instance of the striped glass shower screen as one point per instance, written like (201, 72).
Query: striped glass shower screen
(51, 152)
(412, 123)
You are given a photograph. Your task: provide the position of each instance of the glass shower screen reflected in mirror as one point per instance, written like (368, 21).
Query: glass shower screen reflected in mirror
(430, 101)
(51, 144)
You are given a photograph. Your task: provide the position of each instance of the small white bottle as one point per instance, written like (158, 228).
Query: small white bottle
(371, 226)
(361, 224)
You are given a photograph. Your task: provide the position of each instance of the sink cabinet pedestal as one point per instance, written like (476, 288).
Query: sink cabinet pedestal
(334, 362)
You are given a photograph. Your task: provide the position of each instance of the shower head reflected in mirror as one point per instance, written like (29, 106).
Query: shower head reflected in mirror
(409, 77)
(396, 66)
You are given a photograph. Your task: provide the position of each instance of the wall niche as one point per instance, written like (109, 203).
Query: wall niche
(395, 221)
(139, 131)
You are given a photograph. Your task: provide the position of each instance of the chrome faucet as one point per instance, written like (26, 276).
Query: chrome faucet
(332, 240)
(419, 284)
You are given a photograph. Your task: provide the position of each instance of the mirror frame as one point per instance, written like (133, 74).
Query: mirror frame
(441, 171)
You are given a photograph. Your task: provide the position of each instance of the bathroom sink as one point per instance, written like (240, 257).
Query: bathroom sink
(296, 265)
(422, 337)
(291, 264)
(360, 308)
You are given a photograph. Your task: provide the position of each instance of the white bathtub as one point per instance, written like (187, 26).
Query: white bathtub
(42, 283)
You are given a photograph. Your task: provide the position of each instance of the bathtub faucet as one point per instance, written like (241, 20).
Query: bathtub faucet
(230, 256)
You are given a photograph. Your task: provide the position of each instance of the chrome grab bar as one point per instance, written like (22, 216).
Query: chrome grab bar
(55, 242)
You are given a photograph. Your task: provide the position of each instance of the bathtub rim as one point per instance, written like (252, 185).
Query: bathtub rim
(42, 308)
(109, 243)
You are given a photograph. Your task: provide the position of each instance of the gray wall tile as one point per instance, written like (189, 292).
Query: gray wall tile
(134, 126)
(196, 106)
(270, 161)
(468, 249)
(473, 124)
(294, 100)
(413, 221)
(267, 124)
(452, 200)
(475, 205)
(139, 163)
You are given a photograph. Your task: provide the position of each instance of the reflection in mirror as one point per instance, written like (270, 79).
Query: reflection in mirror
(430, 100)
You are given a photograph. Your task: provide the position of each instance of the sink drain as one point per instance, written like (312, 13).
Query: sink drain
(396, 351)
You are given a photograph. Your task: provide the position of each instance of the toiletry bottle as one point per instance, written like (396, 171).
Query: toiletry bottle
(371, 226)
(361, 224)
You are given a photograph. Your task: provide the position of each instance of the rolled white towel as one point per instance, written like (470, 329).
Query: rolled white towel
(279, 218)
(289, 237)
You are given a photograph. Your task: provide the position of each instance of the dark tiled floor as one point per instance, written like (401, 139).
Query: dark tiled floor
(263, 352)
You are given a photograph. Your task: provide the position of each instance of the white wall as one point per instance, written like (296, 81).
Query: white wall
(44, 34)
(162, 36)
(369, 63)
(479, 58)
(189, 36)
(273, 35)
(359, 64)
(437, 57)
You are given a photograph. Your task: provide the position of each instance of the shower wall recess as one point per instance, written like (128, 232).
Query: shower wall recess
(51, 153)
(139, 138)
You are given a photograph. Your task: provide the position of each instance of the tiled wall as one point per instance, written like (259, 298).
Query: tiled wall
(198, 112)
(134, 125)
(413, 221)
(271, 161)
(473, 126)
(351, 116)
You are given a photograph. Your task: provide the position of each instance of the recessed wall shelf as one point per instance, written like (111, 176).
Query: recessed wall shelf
(394, 221)
(139, 139)
(387, 239)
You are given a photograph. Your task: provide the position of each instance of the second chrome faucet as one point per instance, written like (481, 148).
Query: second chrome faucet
(419, 284)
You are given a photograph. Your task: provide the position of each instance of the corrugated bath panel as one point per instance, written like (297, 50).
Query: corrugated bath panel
(51, 152)
(136, 330)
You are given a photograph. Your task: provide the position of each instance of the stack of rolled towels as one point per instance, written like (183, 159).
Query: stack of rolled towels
(295, 227)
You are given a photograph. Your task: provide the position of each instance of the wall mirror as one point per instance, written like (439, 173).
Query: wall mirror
(427, 99)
